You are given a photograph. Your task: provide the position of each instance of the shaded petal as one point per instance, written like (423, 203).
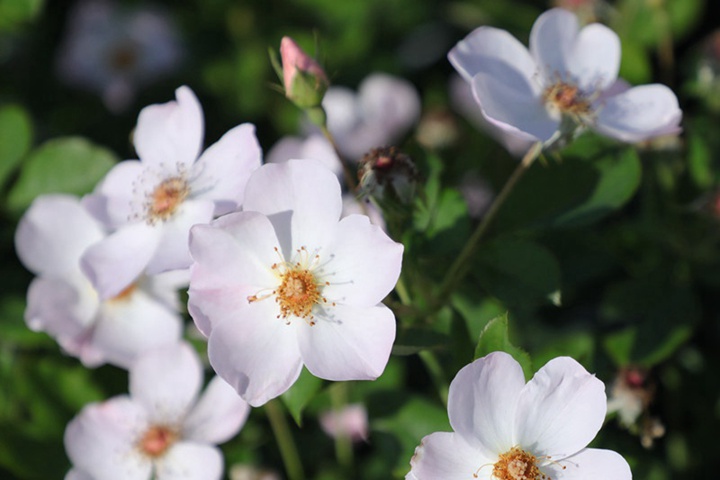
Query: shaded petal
(131, 325)
(172, 252)
(223, 170)
(489, 44)
(166, 382)
(303, 191)
(590, 464)
(552, 40)
(113, 201)
(190, 461)
(509, 102)
(100, 440)
(76, 474)
(170, 133)
(483, 399)
(233, 260)
(255, 352)
(53, 234)
(363, 263)
(560, 410)
(448, 456)
(640, 113)
(62, 308)
(285, 149)
(348, 343)
(218, 415)
(595, 59)
(390, 103)
(119, 259)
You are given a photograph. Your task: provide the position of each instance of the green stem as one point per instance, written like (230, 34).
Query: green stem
(343, 443)
(460, 266)
(436, 374)
(402, 291)
(347, 169)
(283, 437)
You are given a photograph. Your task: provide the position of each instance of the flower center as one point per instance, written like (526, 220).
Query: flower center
(125, 294)
(166, 198)
(157, 440)
(517, 464)
(299, 290)
(566, 99)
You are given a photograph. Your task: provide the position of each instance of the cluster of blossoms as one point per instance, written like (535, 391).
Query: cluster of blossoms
(278, 278)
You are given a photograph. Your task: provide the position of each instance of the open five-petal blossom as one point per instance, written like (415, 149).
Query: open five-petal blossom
(286, 282)
(567, 80)
(506, 429)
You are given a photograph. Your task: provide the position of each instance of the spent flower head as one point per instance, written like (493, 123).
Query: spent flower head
(287, 283)
(506, 429)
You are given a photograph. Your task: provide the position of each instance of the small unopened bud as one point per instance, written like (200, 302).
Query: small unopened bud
(387, 172)
(304, 79)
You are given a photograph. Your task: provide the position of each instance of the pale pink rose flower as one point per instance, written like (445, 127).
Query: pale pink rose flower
(162, 429)
(379, 114)
(568, 80)
(287, 283)
(506, 429)
(151, 203)
(351, 422)
(50, 240)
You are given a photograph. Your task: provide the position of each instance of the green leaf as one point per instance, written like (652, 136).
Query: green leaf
(15, 138)
(300, 394)
(15, 12)
(63, 165)
(593, 179)
(494, 338)
(518, 272)
(699, 161)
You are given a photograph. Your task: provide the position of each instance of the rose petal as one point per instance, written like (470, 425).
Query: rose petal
(448, 456)
(482, 401)
(363, 263)
(100, 440)
(640, 113)
(166, 382)
(590, 464)
(552, 40)
(560, 410)
(170, 133)
(594, 60)
(223, 169)
(255, 352)
(218, 415)
(189, 461)
(112, 202)
(348, 343)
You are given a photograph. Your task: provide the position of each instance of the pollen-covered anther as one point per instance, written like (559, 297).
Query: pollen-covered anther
(157, 439)
(165, 199)
(298, 293)
(517, 464)
(566, 99)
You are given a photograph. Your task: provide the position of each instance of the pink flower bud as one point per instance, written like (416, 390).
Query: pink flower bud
(304, 79)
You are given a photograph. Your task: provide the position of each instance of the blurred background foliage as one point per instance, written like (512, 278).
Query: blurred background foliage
(607, 253)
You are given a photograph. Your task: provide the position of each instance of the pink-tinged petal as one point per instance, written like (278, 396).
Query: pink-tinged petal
(190, 461)
(285, 149)
(552, 40)
(112, 202)
(119, 259)
(448, 456)
(76, 474)
(223, 170)
(233, 260)
(172, 252)
(508, 101)
(133, 324)
(100, 440)
(347, 343)
(350, 422)
(483, 399)
(62, 308)
(170, 133)
(590, 464)
(256, 353)
(303, 194)
(595, 59)
(560, 410)
(316, 147)
(391, 102)
(362, 264)
(164, 287)
(218, 415)
(490, 45)
(53, 234)
(640, 113)
(166, 382)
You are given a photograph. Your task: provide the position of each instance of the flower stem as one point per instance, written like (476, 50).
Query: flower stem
(436, 374)
(460, 266)
(283, 437)
(347, 169)
(343, 443)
